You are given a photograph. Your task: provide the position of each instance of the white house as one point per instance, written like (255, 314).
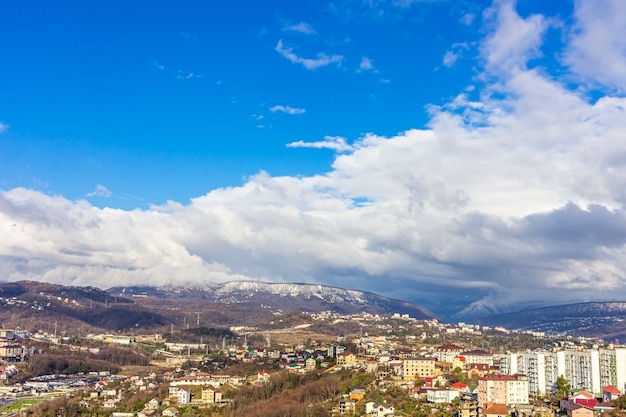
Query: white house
(379, 410)
(170, 412)
(183, 395)
(441, 395)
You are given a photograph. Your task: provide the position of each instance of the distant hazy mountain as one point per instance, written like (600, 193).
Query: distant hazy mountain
(606, 320)
(285, 297)
(477, 310)
(50, 307)
(481, 309)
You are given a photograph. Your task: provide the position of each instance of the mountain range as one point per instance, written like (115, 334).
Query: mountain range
(605, 320)
(284, 297)
(48, 307)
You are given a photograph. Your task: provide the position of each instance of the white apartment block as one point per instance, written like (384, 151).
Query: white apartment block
(530, 364)
(589, 369)
(613, 367)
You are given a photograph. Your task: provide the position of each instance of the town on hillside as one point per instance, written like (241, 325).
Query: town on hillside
(381, 366)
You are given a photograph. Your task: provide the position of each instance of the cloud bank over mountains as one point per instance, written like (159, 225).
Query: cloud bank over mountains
(514, 191)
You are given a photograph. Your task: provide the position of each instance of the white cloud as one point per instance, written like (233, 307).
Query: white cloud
(3, 127)
(321, 59)
(187, 76)
(286, 109)
(597, 50)
(100, 191)
(366, 64)
(301, 27)
(336, 143)
(468, 18)
(456, 51)
(449, 59)
(408, 3)
(514, 40)
(514, 192)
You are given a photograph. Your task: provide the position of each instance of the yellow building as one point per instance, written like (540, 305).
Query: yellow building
(346, 358)
(211, 396)
(357, 394)
(416, 368)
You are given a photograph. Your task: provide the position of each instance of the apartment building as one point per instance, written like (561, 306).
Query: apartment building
(418, 368)
(588, 369)
(502, 389)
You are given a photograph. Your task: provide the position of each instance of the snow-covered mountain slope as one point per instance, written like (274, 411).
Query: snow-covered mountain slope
(477, 310)
(287, 297)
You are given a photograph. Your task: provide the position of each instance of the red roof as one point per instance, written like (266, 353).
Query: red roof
(459, 385)
(449, 347)
(611, 390)
(498, 377)
(499, 409)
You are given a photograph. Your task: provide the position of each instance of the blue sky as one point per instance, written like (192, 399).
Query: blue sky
(160, 100)
(445, 152)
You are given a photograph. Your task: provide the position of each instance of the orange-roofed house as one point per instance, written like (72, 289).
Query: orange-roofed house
(583, 398)
(495, 410)
(610, 393)
(459, 386)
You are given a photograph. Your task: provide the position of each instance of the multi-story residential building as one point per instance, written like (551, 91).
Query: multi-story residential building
(211, 396)
(517, 391)
(551, 374)
(468, 409)
(446, 353)
(478, 356)
(416, 368)
(12, 352)
(347, 406)
(589, 369)
(346, 359)
(530, 364)
(582, 369)
(183, 395)
(502, 389)
(613, 367)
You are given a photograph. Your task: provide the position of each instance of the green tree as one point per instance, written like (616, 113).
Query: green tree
(562, 386)
(621, 402)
